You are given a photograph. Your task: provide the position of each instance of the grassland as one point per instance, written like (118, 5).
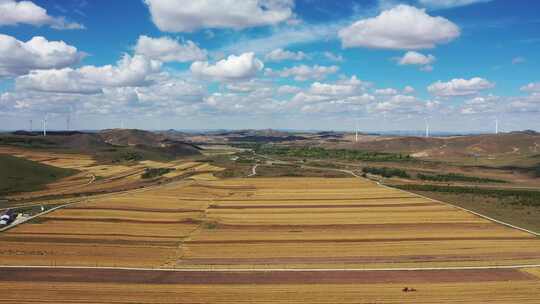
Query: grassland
(22, 175)
(457, 177)
(308, 152)
(509, 196)
(519, 207)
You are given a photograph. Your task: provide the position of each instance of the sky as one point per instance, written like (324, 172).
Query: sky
(381, 65)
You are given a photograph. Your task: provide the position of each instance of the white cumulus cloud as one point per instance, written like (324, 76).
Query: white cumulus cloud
(18, 57)
(480, 105)
(129, 71)
(533, 87)
(304, 72)
(233, 68)
(327, 89)
(409, 90)
(333, 57)
(287, 89)
(188, 16)
(449, 3)
(387, 91)
(402, 27)
(416, 58)
(518, 60)
(26, 12)
(281, 55)
(400, 104)
(332, 96)
(166, 49)
(460, 87)
(526, 104)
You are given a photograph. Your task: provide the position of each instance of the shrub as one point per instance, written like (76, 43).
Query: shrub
(210, 225)
(456, 177)
(537, 171)
(516, 197)
(386, 172)
(155, 172)
(322, 153)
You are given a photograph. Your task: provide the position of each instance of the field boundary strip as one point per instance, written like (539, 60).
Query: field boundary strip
(466, 210)
(273, 269)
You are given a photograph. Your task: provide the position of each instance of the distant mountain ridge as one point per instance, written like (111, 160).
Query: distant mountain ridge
(522, 143)
(106, 141)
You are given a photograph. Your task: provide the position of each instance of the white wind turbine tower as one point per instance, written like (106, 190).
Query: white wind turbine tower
(68, 118)
(31, 129)
(496, 125)
(356, 134)
(427, 127)
(45, 124)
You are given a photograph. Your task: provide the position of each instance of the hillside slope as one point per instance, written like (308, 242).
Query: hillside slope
(516, 143)
(21, 175)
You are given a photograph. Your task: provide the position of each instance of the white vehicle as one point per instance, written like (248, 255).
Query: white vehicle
(7, 218)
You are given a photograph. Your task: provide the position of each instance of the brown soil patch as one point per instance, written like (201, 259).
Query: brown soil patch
(259, 277)
(135, 209)
(248, 242)
(353, 260)
(320, 206)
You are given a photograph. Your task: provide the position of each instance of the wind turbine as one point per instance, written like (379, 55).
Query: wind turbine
(427, 127)
(68, 118)
(356, 134)
(45, 124)
(496, 125)
(31, 126)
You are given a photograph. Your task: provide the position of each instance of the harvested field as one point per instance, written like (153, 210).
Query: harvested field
(270, 223)
(258, 277)
(336, 226)
(142, 229)
(119, 286)
(99, 178)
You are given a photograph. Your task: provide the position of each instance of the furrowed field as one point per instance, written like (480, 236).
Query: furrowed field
(95, 178)
(347, 238)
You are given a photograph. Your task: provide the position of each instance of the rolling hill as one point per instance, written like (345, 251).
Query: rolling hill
(114, 145)
(515, 143)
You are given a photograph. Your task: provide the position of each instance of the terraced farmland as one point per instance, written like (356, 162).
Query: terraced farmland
(236, 241)
(346, 223)
(99, 178)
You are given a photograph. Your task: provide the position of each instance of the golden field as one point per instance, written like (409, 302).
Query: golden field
(252, 224)
(79, 286)
(96, 178)
(266, 223)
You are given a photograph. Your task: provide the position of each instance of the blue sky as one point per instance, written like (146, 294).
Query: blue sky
(304, 64)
